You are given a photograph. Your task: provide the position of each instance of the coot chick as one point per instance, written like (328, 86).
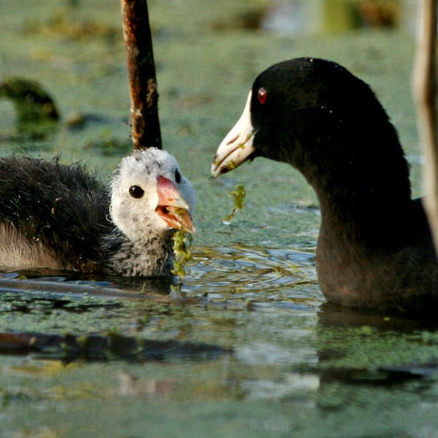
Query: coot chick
(374, 247)
(59, 216)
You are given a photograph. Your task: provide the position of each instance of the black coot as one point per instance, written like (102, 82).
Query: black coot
(374, 248)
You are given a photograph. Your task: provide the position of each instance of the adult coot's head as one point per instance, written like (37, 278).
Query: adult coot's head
(318, 117)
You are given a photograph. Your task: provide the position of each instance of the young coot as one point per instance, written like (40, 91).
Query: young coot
(59, 216)
(374, 248)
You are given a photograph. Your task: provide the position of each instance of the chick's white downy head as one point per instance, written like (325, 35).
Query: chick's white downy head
(149, 195)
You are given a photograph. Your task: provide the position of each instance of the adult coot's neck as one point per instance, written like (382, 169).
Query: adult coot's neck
(350, 153)
(365, 183)
(372, 235)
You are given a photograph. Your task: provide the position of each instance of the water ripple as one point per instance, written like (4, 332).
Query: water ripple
(256, 276)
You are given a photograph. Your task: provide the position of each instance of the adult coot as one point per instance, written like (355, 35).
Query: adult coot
(59, 216)
(374, 248)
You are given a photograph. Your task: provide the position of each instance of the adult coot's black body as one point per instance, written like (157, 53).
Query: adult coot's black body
(59, 216)
(374, 248)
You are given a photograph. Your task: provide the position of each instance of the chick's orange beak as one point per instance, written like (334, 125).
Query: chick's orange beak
(172, 207)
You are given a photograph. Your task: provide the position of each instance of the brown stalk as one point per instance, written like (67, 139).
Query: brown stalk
(145, 124)
(424, 92)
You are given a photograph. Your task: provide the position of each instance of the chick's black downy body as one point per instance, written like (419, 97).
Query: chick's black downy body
(57, 206)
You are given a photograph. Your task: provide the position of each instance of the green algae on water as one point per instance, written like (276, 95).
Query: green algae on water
(181, 247)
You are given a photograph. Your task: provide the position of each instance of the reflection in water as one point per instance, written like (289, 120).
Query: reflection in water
(255, 276)
(69, 347)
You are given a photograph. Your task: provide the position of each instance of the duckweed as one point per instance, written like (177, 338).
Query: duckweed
(238, 194)
(181, 247)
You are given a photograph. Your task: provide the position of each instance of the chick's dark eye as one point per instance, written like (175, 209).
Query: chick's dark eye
(262, 95)
(136, 192)
(177, 176)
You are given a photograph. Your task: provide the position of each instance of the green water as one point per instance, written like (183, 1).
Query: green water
(246, 348)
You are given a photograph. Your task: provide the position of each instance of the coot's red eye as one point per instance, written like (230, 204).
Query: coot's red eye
(262, 95)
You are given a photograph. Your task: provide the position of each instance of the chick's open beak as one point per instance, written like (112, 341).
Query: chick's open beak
(172, 207)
